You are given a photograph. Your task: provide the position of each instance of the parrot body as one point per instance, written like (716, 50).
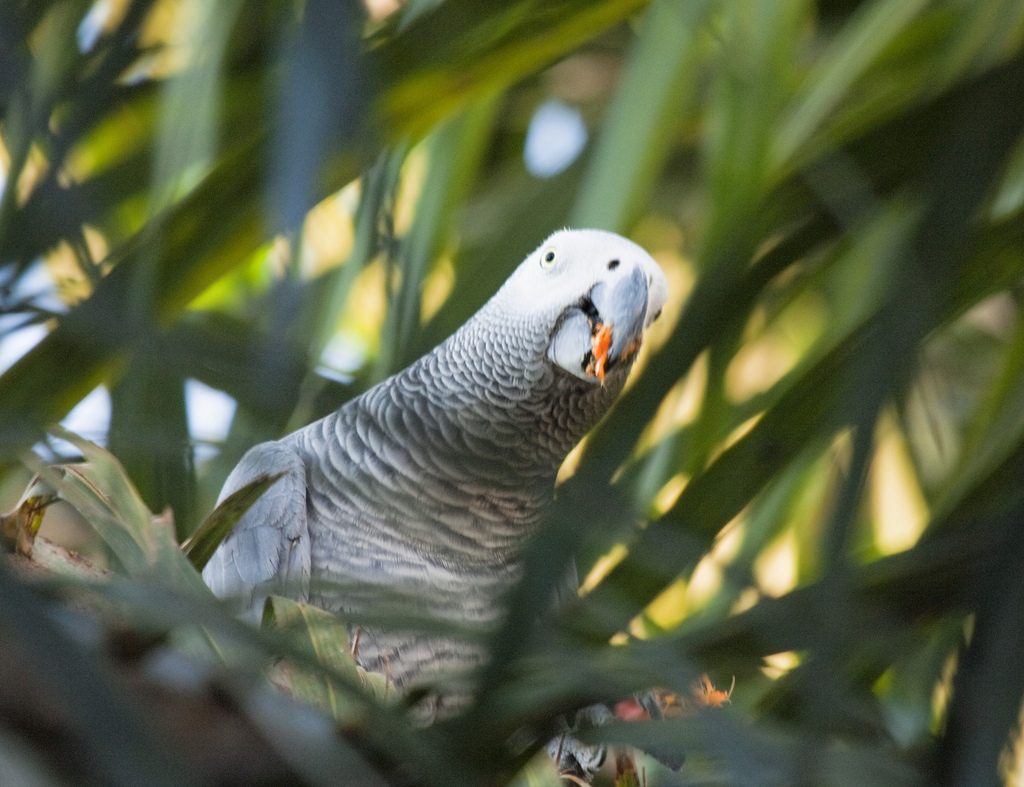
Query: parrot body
(428, 484)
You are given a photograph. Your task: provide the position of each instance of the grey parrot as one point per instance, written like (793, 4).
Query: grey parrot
(430, 483)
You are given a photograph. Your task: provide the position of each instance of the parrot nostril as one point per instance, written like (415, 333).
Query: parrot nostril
(613, 264)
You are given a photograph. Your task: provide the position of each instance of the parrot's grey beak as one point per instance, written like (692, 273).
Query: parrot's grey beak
(606, 327)
(622, 307)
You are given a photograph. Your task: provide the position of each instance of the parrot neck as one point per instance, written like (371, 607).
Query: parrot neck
(502, 399)
(466, 441)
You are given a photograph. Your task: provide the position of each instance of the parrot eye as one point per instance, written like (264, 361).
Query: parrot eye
(548, 260)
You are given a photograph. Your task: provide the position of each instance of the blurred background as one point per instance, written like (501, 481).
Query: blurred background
(219, 220)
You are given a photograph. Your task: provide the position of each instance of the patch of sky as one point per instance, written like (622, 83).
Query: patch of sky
(554, 139)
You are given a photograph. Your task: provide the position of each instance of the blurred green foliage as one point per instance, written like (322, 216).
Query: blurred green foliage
(813, 484)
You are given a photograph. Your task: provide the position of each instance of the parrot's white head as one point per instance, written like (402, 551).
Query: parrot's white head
(594, 292)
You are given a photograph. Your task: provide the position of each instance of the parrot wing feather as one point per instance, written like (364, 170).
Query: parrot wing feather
(268, 551)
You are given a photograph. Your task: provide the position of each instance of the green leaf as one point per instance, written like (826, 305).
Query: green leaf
(99, 489)
(454, 153)
(200, 546)
(646, 112)
(326, 639)
(104, 720)
(871, 29)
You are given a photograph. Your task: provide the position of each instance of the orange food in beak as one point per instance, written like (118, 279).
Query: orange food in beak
(601, 342)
